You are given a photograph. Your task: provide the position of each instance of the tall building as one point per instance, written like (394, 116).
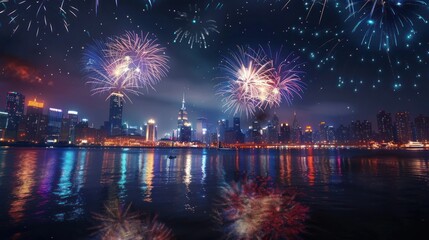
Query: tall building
(285, 133)
(256, 135)
(151, 131)
(385, 126)
(35, 126)
(15, 108)
(73, 117)
(222, 127)
(296, 130)
(273, 130)
(342, 134)
(422, 128)
(3, 124)
(308, 135)
(361, 131)
(185, 132)
(184, 129)
(55, 117)
(323, 132)
(201, 130)
(402, 127)
(115, 114)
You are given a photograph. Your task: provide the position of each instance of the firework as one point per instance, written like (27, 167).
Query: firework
(195, 25)
(144, 59)
(286, 79)
(40, 15)
(309, 7)
(245, 81)
(125, 64)
(385, 22)
(254, 81)
(256, 210)
(118, 223)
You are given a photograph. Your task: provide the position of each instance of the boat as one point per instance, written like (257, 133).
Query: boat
(172, 157)
(412, 144)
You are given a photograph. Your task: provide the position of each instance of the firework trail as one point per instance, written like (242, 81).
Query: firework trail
(385, 21)
(253, 209)
(195, 25)
(39, 15)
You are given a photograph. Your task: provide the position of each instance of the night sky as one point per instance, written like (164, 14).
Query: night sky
(347, 77)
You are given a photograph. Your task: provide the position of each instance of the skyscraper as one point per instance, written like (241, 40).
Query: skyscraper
(183, 126)
(55, 117)
(15, 108)
(3, 124)
(308, 135)
(201, 130)
(151, 131)
(422, 128)
(73, 117)
(385, 126)
(296, 130)
(323, 132)
(35, 127)
(402, 127)
(115, 114)
(284, 133)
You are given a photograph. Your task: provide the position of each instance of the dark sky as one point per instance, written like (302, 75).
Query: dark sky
(345, 79)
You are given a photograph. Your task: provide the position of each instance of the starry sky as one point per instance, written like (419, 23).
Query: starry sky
(348, 73)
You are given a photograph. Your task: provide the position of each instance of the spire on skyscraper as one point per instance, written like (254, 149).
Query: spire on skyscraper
(183, 102)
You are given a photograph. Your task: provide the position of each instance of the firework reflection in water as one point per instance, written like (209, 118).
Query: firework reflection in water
(254, 209)
(119, 223)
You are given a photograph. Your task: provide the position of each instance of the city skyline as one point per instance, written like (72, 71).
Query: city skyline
(27, 120)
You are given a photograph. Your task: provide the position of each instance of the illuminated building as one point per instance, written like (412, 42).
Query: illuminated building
(151, 131)
(296, 130)
(184, 129)
(422, 128)
(55, 117)
(323, 132)
(402, 127)
(15, 108)
(185, 132)
(360, 131)
(342, 134)
(3, 123)
(385, 126)
(285, 133)
(308, 135)
(115, 114)
(35, 122)
(223, 126)
(73, 117)
(201, 130)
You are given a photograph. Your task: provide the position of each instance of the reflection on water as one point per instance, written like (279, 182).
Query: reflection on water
(23, 184)
(69, 184)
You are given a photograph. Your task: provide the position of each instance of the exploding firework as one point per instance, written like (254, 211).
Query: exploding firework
(125, 64)
(195, 25)
(142, 59)
(254, 81)
(118, 223)
(286, 79)
(245, 81)
(256, 210)
(385, 22)
(39, 16)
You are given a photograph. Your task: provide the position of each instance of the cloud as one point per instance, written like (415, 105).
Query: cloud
(15, 70)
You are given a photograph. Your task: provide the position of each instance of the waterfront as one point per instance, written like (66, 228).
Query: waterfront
(352, 194)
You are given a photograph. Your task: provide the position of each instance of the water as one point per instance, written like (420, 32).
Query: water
(352, 194)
